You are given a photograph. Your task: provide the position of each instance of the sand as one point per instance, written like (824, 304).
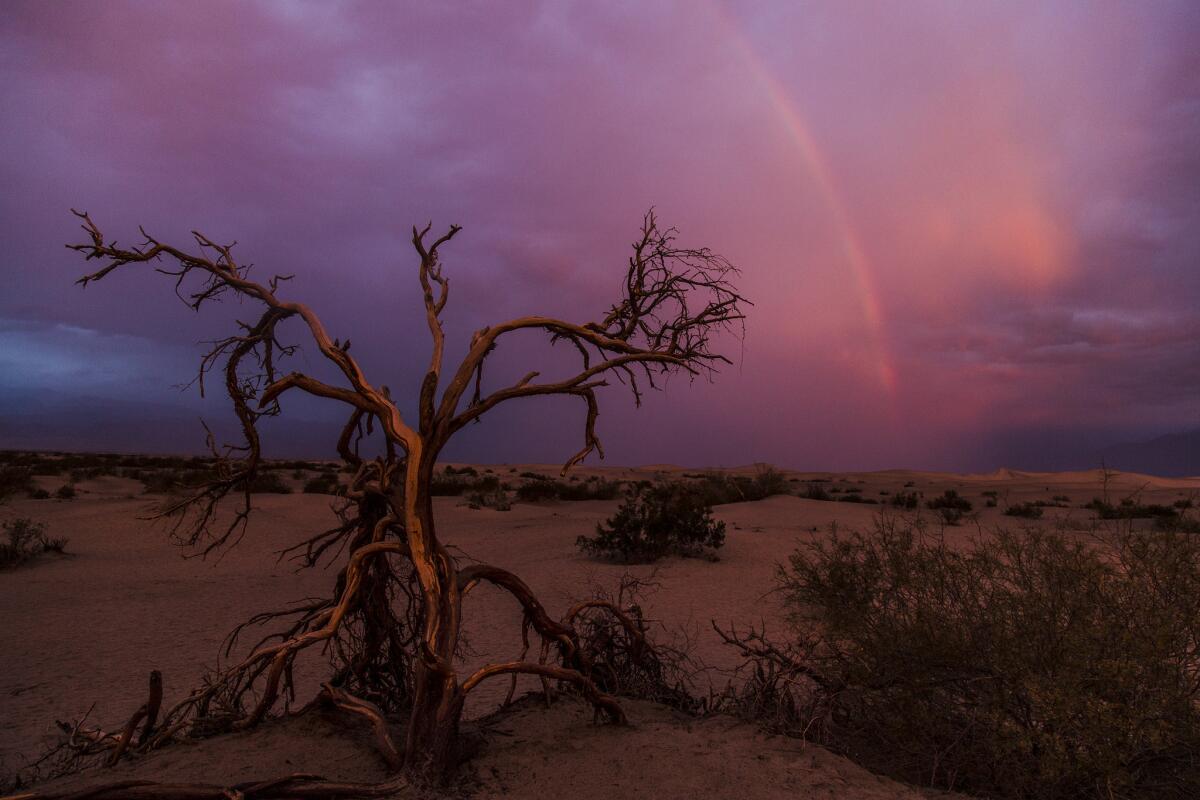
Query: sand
(82, 632)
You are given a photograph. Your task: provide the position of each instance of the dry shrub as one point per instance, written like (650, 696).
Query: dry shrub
(654, 521)
(25, 540)
(1030, 664)
(325, 483)
(632, 662)
(539, 490)
(718, 488)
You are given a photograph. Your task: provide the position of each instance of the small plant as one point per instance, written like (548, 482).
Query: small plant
(537, 491)
(15, 480)
(26, 540)
(815, 491)
(325, 483)
(65, 492)
(951, 506)
(269, 482)
(1024, 510)
(467, 471)
(495, 499)
(654, 521)
(906, 500)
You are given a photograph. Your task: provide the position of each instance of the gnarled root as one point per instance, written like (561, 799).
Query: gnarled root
(299, 785)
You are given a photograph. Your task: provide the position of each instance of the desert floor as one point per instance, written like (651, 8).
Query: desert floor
(80, 633)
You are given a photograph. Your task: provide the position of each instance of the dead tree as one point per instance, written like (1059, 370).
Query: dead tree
(394, 617)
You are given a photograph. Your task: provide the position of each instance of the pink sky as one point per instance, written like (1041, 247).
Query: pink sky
(970, 230)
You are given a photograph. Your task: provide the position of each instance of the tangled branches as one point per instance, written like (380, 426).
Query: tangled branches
(391, 625)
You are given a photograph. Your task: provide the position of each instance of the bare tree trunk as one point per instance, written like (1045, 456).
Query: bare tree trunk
(437, 702)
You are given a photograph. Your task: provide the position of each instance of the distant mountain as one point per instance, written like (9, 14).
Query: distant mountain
(1173, 455)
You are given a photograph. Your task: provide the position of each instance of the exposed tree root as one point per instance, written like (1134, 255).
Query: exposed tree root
(299, 785)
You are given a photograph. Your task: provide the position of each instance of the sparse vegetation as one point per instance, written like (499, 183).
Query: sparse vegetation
(1032, 665)
(657, 520)
(325, 483)
(951, 506)
(495, 499)
(1024, 510)
(15, 480)
(719, 488)
(815, 491)
(25, 540)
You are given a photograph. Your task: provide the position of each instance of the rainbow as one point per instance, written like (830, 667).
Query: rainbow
(817, 166)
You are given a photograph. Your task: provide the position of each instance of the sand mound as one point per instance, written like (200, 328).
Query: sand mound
(531, 751)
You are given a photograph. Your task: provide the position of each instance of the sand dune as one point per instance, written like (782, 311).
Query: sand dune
(83, 631)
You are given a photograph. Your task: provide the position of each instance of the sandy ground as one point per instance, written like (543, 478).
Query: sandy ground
(82, 632)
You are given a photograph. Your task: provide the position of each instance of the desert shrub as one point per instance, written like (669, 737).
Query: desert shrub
(654, 521)
(855, 497)
(718, 488)
(769, 481)
(458, 486)
(1128, 508)
(15, 480)
(1024, 510)
(39, 494)
(534, 476)
(467, 471)
(65, 492)
(173, 481)
(591, 489)
(537, 491)
(815, 491)
(178, 481)
(495, 498)
(907, 500)
(950, 506)
(325, 483)
(24, 540)
(1031, 665)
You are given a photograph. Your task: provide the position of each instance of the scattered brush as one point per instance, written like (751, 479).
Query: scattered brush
(26, 540)
(1034, 664)
(654, 521)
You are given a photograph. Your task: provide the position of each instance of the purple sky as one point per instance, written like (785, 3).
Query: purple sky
(970, 230)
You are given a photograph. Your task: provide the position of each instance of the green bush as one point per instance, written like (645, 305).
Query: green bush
(26, 540)
(65, 492)
(655, 521)
(906, 500)
(1031, 665)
